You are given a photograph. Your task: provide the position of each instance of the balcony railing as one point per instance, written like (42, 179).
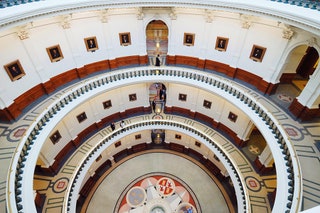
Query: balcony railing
(284, 160)
(229, 163)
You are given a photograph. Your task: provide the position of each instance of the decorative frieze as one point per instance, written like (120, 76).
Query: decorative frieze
(23, 32)
(65, 21)
(173, 14)
(287, 32)
(104, 16)
(312, 42)
(209, 16)
(245, 21)
(140, 14)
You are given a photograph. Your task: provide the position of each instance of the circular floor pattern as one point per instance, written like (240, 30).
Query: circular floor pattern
(157, 193)
(253, 184)
(192, 186)
(16, 133)
(60, 185)
(285, 98)
(294, 133)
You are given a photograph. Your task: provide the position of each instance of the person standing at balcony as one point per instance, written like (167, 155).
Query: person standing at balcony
(113, 126)
(154, 105)
(163, 94)
(158, 61)
(122, 124)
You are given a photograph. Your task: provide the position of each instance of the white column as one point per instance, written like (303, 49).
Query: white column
(29, 46)
(241, 41)
(73, 46)
(247, 132)
(266, 157)
(45, 161)
(310, 95)
(277, 71)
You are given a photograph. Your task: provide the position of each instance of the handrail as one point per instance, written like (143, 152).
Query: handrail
(213, 83)
(229, 163)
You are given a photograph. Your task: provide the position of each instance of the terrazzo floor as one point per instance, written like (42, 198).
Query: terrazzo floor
(304, 137)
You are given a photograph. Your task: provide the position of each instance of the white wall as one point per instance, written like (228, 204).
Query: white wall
(44, 33)
(69, 127)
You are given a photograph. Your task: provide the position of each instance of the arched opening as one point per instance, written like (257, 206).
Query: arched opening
(308, 63)
(157, 97)
(157, 41)
(158, 136)
(300, 64)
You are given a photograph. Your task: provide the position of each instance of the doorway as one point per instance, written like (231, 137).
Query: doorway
(300, 64)
(157, 97)
(157, 41)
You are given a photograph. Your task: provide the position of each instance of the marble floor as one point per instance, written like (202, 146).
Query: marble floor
(304, 136)
(200, 191)
(258, 185)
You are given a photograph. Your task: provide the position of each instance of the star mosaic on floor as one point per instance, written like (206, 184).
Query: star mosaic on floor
(157, 194)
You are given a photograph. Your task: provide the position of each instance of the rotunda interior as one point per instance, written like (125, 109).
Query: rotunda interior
(137, 106)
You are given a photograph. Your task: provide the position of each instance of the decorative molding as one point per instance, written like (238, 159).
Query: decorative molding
(312, 42)
(245, 21)
(209, 16)
(65, 22)
(140, 14)
(173, 14)
(104, 16)
(287, 32)
(23, 32)
(296, 18)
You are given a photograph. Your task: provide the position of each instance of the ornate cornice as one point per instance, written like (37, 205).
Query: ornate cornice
(23, 32)
(286, 13)
(287, 33)
(245, 21)
(104, 16)
(65, 21)
(209, 16)
(140, 14)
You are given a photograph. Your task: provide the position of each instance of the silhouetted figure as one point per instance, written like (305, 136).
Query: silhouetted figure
(113, 126)
(122, 124)
(158, 61)
(154, 106)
